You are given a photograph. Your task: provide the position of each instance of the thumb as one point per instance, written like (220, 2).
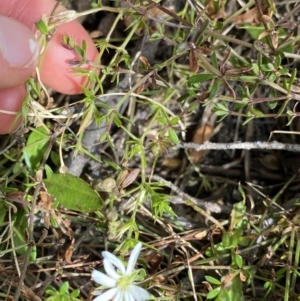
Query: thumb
(19, 52)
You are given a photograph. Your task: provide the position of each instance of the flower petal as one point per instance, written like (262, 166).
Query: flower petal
(138, 293)
(108, 295)
(109, 269)
(128, 296)
(119, 296)
(133, 258)
(114, 260)
(103, 279)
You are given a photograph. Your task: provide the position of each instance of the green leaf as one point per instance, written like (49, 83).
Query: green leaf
(254, 31)
(243, 241)
(3, 211)
(36, 146)
(202, 28)
(255, 69)
(237, 214)
(214, 60)
(183, 97)
(191, 92)
(173, 136)
(272, 77)
(233, 290)
(238, 260)
(33, 253)
(223, 296)
(284, 71)
(41, 26)
(174, 120)
(73, 193)
(220, 113)
(285, 84)
(103, 137)
(200, 78)
(248, 78)
(234, 239)
(212, 280)
(50, 290)
(64, 288)
(48, 171)
(19, 231)
(226, 240)
(155, 36)
(79, 51)
(117, 121)
(282, 108)
(242, 104)
(68, 42)
(163, 120)
(84, 48)
(292, 79)
(248, 119)
(291, 117)
(278, 59)
(221, 118)
(75, 293)
(214, 89)
(242, 192)
(53, 221)
(256, 112)
(272, 104)
(221, 106)
(220, 109)
(214, 293)
(55, 158)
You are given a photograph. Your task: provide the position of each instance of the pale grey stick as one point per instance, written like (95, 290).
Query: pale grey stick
(92, 134)
(241, 145)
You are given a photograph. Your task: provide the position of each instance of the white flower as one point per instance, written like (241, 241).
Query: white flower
(121, 282)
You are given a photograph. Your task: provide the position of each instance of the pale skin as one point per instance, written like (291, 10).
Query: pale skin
(19, 55)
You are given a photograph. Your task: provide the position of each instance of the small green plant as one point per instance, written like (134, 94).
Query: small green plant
(62, 294)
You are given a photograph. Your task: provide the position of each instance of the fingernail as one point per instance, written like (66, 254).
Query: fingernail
(18, 45)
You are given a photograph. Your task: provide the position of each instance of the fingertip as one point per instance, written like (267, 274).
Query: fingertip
(56, 70)
(10, 105)
(19, 52)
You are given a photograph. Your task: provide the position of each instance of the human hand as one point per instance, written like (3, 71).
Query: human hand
(19, 55)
